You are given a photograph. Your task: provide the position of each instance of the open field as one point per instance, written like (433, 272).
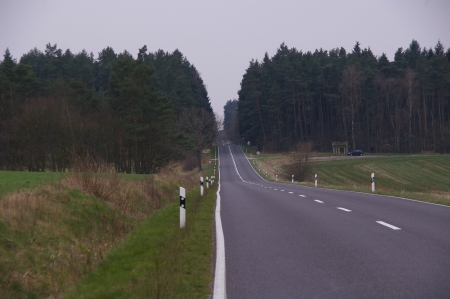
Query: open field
(70, 230)
(420, 177)
(19, 180)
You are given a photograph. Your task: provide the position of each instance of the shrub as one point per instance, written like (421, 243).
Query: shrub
(301, 168)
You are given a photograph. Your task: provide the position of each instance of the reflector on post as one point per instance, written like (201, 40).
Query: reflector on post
(182, 207)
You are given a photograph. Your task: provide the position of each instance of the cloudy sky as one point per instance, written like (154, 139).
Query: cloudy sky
(221, 37)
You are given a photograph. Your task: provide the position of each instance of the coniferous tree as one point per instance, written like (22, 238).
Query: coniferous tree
(57, 106)
(397, 106)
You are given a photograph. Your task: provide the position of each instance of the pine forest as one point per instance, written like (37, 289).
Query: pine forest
(58, 108)
(376, 105)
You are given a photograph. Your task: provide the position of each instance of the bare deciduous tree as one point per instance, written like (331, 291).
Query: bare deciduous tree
(219, 121)
(410, 86)
(200, 128)
(350, 89)
(301, 168)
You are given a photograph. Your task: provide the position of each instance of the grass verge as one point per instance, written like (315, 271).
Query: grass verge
(159, 260)
(55, 236)
(420, 177)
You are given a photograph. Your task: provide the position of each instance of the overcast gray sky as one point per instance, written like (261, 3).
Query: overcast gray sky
(221, 37)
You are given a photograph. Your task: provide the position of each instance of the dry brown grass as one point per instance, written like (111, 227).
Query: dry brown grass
(57, 234)
(132, 198)
(50, 247)
(274, 165)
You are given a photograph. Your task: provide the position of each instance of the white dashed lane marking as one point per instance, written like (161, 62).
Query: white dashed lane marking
(388, 225)
(321, 202)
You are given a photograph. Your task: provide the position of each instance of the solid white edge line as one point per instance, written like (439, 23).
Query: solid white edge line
(344, 209)
(219, 289)
(389, 225)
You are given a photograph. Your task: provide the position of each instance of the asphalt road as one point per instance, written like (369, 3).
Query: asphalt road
(288, 241)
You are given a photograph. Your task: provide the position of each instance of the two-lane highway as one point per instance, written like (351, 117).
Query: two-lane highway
(289, 241)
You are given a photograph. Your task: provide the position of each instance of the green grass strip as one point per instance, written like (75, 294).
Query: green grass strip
(419, 177)
(160, 260)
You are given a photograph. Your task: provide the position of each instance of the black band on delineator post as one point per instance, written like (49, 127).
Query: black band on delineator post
(182, 202)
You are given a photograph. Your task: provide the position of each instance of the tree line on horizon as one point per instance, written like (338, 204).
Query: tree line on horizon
(374, 104)
(58, 107)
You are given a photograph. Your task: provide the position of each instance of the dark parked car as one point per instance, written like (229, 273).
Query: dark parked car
(355, 153)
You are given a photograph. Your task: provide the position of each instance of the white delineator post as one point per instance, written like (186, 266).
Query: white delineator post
(276, 178)
(207, 182)
(292, 178)
(315, 180)
(182, 207)
(372, 179)
(201, 186)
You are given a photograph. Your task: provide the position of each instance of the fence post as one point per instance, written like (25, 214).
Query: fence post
(182, 207)
(201, 186)
(372, 179)
(315, 180)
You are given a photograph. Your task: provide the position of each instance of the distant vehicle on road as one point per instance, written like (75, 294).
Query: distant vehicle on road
(355, 153)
